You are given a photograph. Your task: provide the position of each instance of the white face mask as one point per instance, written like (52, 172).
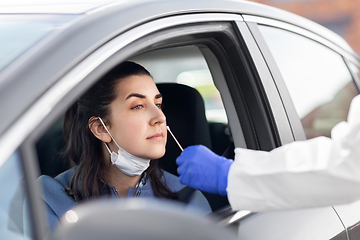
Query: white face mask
(124, 161)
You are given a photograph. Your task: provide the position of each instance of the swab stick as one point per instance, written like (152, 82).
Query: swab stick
(168, 128)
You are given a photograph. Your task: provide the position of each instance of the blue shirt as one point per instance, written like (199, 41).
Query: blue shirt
(58, 202)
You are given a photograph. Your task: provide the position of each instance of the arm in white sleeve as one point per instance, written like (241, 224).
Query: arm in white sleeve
(317, 172)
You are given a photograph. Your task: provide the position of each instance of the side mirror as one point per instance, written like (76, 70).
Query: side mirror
(138, 219)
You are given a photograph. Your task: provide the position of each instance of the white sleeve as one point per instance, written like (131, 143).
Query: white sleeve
(317, 172)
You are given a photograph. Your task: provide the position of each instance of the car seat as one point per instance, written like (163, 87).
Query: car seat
(49, 150)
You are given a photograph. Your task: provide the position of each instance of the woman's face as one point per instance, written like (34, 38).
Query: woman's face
(137, 122)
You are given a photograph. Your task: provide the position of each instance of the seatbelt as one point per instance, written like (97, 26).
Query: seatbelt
(185, 194)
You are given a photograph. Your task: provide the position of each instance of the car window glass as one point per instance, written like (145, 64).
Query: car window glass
(19, 33)
(317, 78)
(12, 199)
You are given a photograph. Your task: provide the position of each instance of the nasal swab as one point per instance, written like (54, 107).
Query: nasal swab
(168, 128)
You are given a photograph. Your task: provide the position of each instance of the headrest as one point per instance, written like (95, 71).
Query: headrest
(184, 109)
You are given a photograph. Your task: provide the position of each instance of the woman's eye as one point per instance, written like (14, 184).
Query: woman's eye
(137, 107)
(159, 105)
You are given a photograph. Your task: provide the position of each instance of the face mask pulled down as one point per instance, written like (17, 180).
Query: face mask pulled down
(124, 161)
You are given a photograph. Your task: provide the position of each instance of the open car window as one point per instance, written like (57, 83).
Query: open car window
(191, 103)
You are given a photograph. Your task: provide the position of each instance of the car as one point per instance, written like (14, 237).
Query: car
(266, 78)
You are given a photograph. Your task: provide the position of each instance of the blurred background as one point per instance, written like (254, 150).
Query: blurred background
(341, 16)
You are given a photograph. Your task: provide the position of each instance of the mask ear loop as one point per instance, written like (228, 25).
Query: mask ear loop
(109, 134)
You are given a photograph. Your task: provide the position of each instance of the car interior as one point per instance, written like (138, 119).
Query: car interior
(184, 106)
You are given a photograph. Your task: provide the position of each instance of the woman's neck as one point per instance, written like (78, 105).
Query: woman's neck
(119, 180)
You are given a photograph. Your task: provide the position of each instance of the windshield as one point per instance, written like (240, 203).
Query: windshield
(20, 32)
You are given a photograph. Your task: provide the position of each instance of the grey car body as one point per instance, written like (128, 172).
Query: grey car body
(83, 40)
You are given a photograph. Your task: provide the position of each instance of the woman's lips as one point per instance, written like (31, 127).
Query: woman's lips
(157, 136)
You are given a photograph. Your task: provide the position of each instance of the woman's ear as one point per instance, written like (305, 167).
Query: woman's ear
(98, 130)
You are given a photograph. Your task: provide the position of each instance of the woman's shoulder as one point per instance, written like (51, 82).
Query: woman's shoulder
(54, 193)
(61, 180)
(65, 177)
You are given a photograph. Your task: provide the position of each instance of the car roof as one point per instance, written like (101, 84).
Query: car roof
(165, 7)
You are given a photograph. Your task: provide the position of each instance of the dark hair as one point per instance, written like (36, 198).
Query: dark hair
(85, 150)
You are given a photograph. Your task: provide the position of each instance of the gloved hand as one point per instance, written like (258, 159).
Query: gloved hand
(202, 169)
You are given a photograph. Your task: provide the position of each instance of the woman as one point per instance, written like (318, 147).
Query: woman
(112, 132)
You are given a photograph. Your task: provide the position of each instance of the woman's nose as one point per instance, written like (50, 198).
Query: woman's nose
(158, 116)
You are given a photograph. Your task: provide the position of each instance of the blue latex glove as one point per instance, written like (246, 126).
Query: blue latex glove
(202, 169)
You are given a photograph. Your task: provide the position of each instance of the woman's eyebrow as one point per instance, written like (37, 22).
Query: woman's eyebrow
(138, 95)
